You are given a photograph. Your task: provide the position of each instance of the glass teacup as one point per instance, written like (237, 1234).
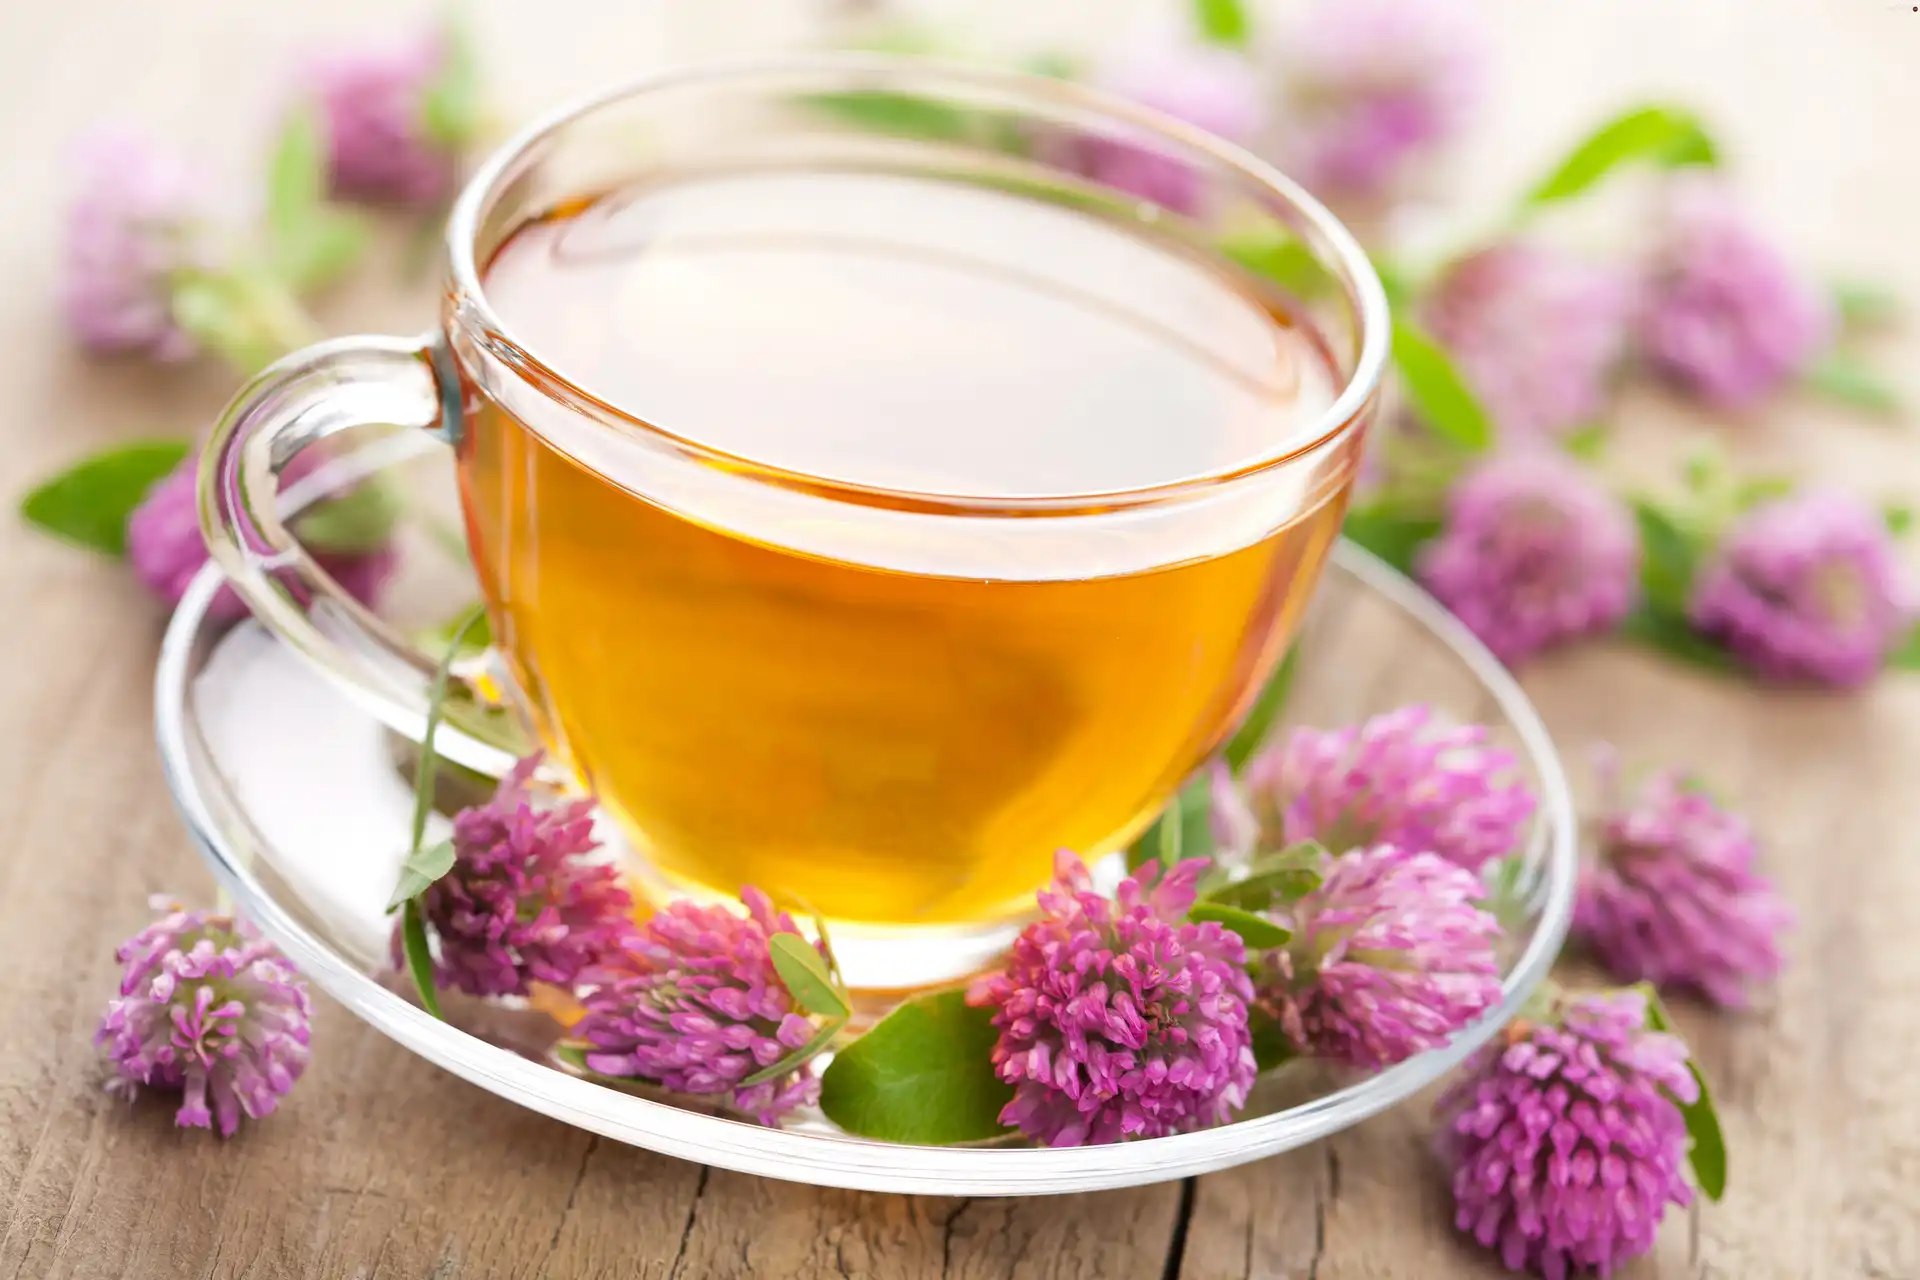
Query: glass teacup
(880, 475)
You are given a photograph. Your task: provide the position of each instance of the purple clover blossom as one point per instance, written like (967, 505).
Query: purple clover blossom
(1534, 552)
(1370, 87)
(167, 550)
(1673, 897)
(1537, 332)
(373, 103)
(1726, 316)
(694, 1004)
(1400, 779)
(130, 230)
(1564, 1138)
(1390, 956)
(1213, 88)
(522, 902)
(1116, 1018)
(1806, 587)
(207, 1008)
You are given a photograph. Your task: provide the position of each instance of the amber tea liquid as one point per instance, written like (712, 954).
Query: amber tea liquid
(873, 735)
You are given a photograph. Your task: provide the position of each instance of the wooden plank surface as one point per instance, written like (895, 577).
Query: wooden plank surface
(382, 1166)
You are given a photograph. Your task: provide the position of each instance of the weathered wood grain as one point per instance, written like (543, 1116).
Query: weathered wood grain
(381, 1166)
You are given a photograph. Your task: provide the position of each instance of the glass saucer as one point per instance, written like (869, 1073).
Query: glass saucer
(295, 798)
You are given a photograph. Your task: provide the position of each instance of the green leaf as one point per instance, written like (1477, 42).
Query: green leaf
(1282, 258)
(1310, 854)
(213, 313)
(1588, 443)
(806, 1053)
(1440, 396)
(421, 862)
(575, 1056)
(247, 317)
(450, 109)
(805, 972)
(1146, 846)
(1259, 720)
(1669, 633)
(1271, 1045)
(1052, 64)
(1841, 377)
(1392, 535)
(1668, 556)
(359, 520)
(478, 633)
(309, 244)
(321, 250)
(1907, 656)
(1171, 837)
(1286, 876)
(923, 1074)
(1863, 305)
(1258, 932)
(1708, 1154)
(89, 502)
(1261, 890)
(296, 175)
(901, 114)
(1505, 899)
(1703, 469)
(1160, 839)
(1196, 818)
(1663, 136)
(1899, 518)
(494, 725)
(1183, 830)
(419, 871)
(1751, 493)
(1394, 281)
(413, 937)
(826, 949)
(1222, 21)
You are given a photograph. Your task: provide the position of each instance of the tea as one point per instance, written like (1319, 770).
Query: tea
(841, 716)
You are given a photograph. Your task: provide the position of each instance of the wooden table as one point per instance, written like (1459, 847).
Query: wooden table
(380, 1165)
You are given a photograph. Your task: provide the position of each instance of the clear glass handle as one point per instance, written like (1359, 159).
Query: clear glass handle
(300, 400)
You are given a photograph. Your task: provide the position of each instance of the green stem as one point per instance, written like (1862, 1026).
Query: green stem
(413, 924)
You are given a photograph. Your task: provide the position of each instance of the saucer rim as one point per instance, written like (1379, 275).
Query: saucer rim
(836, 1160)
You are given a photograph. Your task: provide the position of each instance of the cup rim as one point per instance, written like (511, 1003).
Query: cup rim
(1326, 235)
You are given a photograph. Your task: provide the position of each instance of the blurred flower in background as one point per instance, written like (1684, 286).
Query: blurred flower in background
(396, 116)
(1727, 317)
(1538, 332)
(1534, 551)
(166, 548)
(1205, 85)
(1368, 88)
(1673, 896)
(132, 227)
(1806, 587)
